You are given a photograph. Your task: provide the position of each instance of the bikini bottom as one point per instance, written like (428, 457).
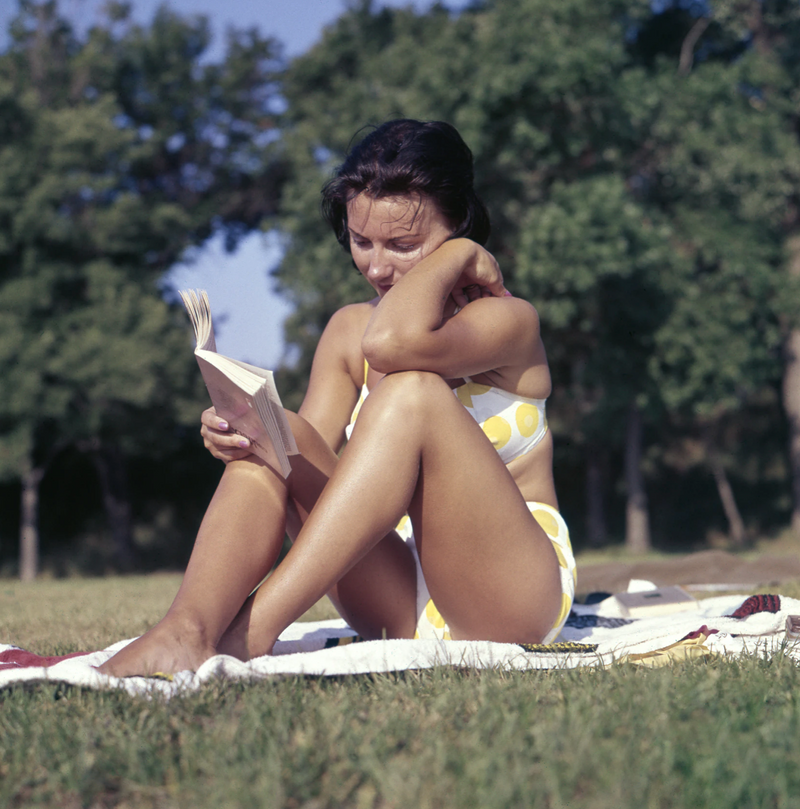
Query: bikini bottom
(430, 623)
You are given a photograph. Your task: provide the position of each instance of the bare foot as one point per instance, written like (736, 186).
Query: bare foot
(170, 646)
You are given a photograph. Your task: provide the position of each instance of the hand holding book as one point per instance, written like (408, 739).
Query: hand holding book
(243, 395)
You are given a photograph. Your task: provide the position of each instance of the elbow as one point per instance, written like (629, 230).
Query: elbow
(380, 350)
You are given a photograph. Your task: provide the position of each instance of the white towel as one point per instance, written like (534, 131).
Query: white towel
(595, 635)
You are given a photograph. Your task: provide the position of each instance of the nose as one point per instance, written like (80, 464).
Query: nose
(379, 265)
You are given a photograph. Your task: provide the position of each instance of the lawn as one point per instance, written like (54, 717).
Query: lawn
(702, 734)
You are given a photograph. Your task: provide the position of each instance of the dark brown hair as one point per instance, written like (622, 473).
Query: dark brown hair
(405, 157)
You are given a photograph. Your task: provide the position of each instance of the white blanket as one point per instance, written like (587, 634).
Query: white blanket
(594, 636)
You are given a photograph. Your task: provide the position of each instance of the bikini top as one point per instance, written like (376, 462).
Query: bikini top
(514, 424)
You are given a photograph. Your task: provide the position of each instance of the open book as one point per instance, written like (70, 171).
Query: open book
(242, 395)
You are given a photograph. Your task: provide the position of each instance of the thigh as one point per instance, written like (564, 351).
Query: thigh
(491, 570)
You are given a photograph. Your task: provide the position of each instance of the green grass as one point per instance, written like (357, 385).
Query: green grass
(72, 615)
(705, 734)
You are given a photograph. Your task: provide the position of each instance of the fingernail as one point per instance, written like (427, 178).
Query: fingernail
(223, 425)
(507, 294)
(244, 443)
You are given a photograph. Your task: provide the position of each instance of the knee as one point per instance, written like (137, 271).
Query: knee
(250, 475)
(250, 467)
(410, 391)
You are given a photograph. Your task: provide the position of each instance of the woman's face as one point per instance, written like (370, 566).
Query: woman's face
(390, 235)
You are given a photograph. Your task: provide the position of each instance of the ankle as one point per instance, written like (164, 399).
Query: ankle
(234, 640)
(188, 627)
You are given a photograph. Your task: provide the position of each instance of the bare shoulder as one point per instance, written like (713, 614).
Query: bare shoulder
(524, 369)
(529, 322)
(345, 330)
(342, 336)
(520, 321)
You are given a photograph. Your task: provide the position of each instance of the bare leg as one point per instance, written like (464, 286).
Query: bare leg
(490, 568)
(377, 597)
(238, 542)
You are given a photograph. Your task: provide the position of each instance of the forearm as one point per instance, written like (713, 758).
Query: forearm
(417, 304)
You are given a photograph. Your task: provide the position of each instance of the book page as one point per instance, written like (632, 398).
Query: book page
(199, 309)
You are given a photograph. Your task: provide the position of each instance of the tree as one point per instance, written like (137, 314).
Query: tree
(704, 149)
(598, 258)
(117, 151)
(723, 165)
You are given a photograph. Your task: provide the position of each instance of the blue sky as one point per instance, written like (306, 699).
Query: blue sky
(248, 315)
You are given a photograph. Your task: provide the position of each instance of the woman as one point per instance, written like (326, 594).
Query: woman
(439, 383)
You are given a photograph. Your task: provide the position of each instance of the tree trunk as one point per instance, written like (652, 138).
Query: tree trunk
(736, 529)
(110, 466)
(637, 523)
(791, 394)
(689, 44)
(596, 530)
(791, 406)
(29, 522)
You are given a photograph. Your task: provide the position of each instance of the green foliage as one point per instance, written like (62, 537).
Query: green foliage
(723, 168)
(592, 259)
(119, 149)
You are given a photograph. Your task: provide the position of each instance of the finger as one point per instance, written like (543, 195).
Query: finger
(460, 298)
(223, 440)
(473, 292)
(210, 419)
(220, 447)
(497, 288)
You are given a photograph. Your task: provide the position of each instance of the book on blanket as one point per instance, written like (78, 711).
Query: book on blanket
(661, 601)
(243, 395)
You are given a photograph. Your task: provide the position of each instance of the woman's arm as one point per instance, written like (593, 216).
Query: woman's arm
(337, 374)
(411, 328)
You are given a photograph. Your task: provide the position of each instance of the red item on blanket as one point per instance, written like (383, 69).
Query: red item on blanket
(757, 603)
(20, 659)
(704, 631)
